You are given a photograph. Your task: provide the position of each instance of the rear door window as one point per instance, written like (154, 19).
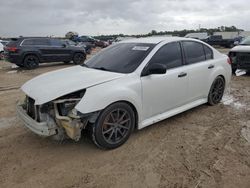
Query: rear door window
(35, 42)
(208, 52)
(194, 52)
(169, 55)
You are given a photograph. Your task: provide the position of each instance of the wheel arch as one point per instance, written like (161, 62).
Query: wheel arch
(79, 52)
(222, 77)
(31, 53)
(133, 108)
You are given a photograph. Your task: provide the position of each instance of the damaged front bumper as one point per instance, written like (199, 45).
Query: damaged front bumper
(57, 118)
(40, 128)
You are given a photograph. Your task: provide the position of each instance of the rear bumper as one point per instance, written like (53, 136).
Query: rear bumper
(40, 128)
(16, 59)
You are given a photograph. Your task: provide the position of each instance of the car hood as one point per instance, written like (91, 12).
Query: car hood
(241, 48)
(52, 85)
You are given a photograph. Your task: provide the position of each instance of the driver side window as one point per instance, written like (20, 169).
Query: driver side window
(169, 55)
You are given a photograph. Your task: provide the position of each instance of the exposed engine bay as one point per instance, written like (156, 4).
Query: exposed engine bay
(60, 113)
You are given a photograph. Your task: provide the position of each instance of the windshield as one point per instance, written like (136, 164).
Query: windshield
(246, 41)
(121, 57)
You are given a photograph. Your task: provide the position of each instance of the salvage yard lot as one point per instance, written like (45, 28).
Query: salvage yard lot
(203, 147)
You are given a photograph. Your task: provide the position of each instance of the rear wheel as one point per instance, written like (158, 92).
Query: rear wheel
(31, 62)
(79, 58)
(113, 126)
(216, 91)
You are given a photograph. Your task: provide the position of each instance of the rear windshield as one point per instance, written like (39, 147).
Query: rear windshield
(121, 57)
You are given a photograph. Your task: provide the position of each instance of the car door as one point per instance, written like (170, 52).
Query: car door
(199, 66)
(164, 92)
(38, 46)
(59, 51)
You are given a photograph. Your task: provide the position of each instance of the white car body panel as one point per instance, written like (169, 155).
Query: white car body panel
(155, 97)
(170, 113)
(157, 92)
(49, 86)
(1, 47)
(240, 48)
(127, 88)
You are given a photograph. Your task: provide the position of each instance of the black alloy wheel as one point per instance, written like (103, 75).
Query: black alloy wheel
(79, 58)
(216, 91)
(114, 126)
(31, 62)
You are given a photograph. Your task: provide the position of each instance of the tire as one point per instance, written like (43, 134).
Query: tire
(113, 126)
(79, 58)
(216, 91)
(31, 62)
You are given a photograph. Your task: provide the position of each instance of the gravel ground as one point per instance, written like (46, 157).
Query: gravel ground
(203, 147)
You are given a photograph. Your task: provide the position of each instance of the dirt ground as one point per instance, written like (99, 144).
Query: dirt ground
(203, 147)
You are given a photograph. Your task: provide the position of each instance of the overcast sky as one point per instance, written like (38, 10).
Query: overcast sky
(95, 17)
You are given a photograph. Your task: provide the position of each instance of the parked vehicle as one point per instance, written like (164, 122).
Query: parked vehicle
(100, 43)
(4, 42)
(219, 41)
(85, 40)
(87, 49)
(240, 56)
(29, 52)
(1, 51)
(129, 85)
(200, 36)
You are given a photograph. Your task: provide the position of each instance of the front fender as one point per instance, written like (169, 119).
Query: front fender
(100, 96)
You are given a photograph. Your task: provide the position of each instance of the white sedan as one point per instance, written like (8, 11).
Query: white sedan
(129, 85)
(1, 50)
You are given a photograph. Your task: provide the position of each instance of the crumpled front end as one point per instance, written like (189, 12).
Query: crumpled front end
(57, 118)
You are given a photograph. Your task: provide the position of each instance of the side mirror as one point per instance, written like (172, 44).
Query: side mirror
(156, 68)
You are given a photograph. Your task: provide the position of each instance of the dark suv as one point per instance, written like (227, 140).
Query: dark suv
(28, 52)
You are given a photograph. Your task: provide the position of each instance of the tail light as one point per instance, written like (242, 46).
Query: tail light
(229, 60)
(10, 49)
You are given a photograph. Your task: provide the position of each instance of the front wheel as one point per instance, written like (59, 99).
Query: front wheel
(79, 58)
(113, 126)
(216, 91)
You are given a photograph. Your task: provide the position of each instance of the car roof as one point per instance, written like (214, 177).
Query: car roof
(156, 40)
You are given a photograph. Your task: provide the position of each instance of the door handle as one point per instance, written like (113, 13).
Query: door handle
(183, 74)
(210, 66)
